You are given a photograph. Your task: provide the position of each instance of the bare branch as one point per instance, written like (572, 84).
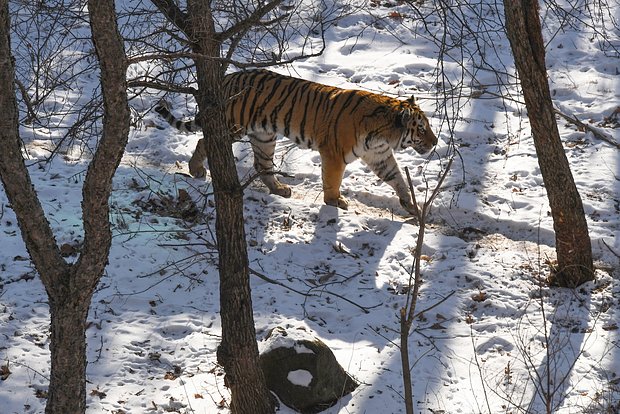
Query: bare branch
(434, 305)
(610, 249)
(175, 15)
(35, 228)
(411, 190)
(267, 279)
(166, 87)
(98, 182)
(244, 25)
(31, 112)
(168, 56)
(227, 60)
(595, 131)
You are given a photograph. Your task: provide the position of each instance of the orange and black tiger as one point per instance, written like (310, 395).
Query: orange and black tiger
(342, 124)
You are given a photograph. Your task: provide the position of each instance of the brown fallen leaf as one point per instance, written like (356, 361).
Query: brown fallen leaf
(479, 297)
(4, 372)
(97, 393)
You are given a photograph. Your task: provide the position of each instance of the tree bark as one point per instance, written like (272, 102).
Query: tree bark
(69, 287)
(238, 351)
(573, 246)
(67, 389)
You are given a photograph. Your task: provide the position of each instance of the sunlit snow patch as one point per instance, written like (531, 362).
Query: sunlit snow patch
(300, 377)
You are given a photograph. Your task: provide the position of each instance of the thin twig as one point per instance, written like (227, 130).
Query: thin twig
(610, 249)
(423, 311)
(266, 278)
(276, 282)
(364, 309)
(484, 388)
(26, 98)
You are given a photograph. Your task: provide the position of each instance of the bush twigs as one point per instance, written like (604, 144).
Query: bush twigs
(407, 312)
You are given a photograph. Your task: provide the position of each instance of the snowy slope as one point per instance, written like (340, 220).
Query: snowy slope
(343, 274)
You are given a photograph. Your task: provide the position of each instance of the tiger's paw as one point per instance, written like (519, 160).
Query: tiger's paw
(339, 202)
(409, 207)
(197, 170)
(282, 190)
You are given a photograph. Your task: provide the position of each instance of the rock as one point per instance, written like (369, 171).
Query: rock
(302, 371)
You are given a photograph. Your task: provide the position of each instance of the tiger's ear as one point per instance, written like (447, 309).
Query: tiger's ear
(411, 100)
(403, 118)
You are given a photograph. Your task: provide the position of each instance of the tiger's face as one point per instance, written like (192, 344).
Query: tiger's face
(417, 132)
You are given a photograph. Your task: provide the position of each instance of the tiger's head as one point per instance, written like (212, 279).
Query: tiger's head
(416, 130)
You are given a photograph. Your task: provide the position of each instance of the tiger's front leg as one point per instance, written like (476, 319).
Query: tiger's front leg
(264, 148)
(332, 170)
(384, 165)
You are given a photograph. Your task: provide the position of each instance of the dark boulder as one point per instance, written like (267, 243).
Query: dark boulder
(302, 371)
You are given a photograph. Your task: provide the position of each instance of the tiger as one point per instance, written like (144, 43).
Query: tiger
(341, 124)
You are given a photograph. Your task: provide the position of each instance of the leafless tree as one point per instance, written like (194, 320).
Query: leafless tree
(467, 36)
(237, 352)
(51, 83)
(251, 34)
(573, 247)
(465, 33)
(199, 45)
(409, 312)
(69, 285)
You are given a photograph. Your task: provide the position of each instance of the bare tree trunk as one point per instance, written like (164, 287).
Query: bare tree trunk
(69, 287)
(573, 245)
(238, 352)
(67, 389)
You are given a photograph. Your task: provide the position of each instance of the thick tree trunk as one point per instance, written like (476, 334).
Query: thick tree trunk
(67, 390)
(573, 245)
(69, 287)
(238, 352)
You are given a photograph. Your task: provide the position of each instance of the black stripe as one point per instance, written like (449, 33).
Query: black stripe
(300, 88)
(391, 174)
(286, 92)
(346, 103)
(310, 94)
(270, 138)
(248, 85)
(258, 91)
(162, 111)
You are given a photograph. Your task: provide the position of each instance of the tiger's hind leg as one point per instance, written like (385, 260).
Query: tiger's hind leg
(196, 163)
(264, 148)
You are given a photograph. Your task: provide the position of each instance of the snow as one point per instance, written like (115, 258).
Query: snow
(154, 322)
(287, 338)
(300, 377)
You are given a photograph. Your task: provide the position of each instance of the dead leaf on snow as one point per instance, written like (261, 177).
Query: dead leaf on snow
(4, 372)
(96, 393)
(479, 297)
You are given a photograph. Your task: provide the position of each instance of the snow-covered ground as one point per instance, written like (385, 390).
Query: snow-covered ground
(493, 346)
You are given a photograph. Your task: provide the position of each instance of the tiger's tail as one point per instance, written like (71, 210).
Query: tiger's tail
(163, 109)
